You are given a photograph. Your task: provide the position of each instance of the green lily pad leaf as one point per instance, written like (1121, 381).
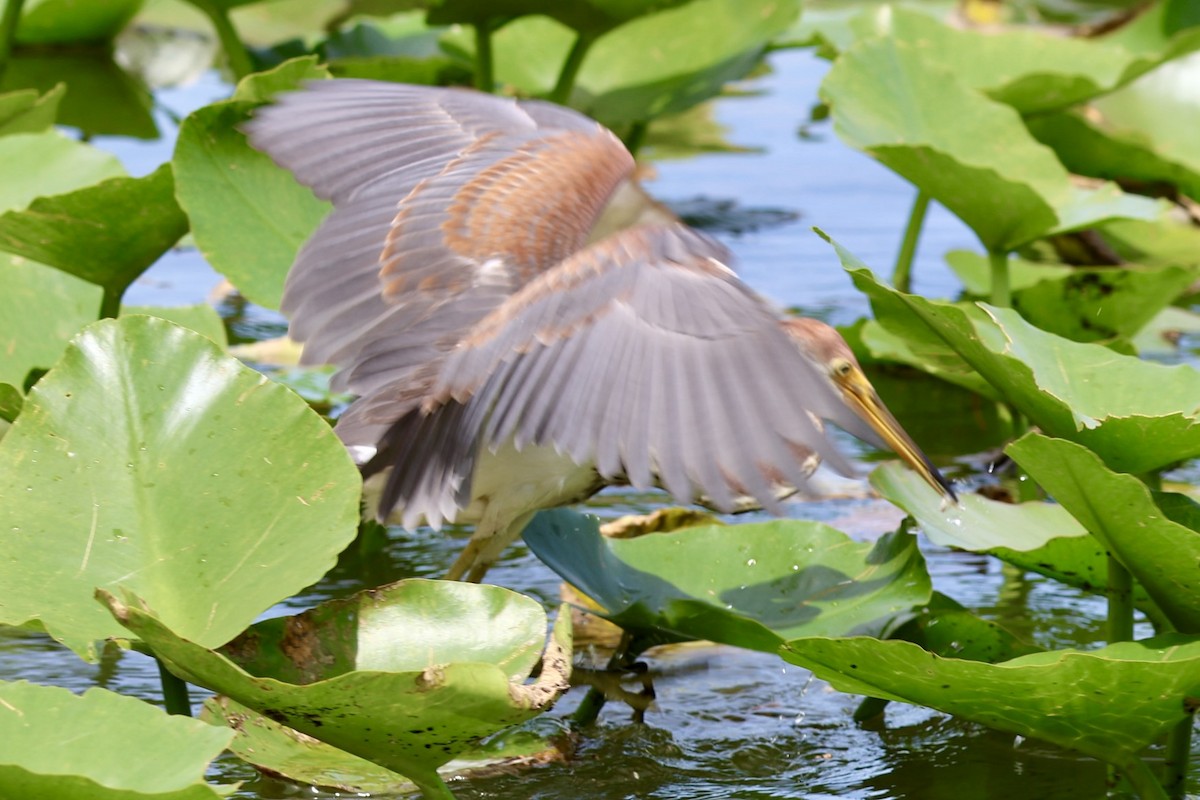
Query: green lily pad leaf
(11, 401)
(248, 216)
(62, 745)
(1066, 697)
(26, 111)
(943, 626)
(1079, 303)
(278, 750)
(48, 163)
(763, 583)
(1161, 335)
(262, 86)
(971, 154)
(409, 675)
(1119, 510)
(68, 21)
(149, 459)
(1079, 561)
(201, 318)
(1033, 70)
(654, 65)
(1137, 415)
(975, 523)
(40, 310)
(1156, 244)
(1090, 207)
(107, 234)
(101, 98)
(586, 16)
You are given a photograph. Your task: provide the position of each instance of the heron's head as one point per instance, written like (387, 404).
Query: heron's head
(860, 402)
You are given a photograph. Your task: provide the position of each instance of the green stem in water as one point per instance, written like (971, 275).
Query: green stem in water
(1120, 602)
(1142, 780)
(432, 786)
(8, 29)
(902, 274)
(175, 692)
(593, 702)
(484, 79)
(237, 54)
(1179, 751)
(570, 69)
(1001, 294)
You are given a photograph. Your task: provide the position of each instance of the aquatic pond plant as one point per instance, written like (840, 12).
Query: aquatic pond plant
(160, 494)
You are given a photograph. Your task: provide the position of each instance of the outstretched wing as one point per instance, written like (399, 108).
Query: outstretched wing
(644, 353)
(446, 201)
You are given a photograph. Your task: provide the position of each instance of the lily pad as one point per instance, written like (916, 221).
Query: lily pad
(762, 584)
(1137, 415)
(407, 676)
(201, 318)
(585, 16)
(11, 401)
(975, 523)
(1120, 511)
(62, 745)
(68, 21)
(971, 154)
(26, 111)
(48, 163)
(1108, 703)
(248, 216)
(278, 750)
(107, 234)
(149, 459)
(40, 310)
(943, 626)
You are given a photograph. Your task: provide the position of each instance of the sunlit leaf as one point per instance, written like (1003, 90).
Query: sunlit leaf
(41, 164)
(975, 523)
(148, 459)
(26, 111)
(201, 318)
(408, 676)
(248, 216)
(1119, 510)
(278, 750)
(654, 65)
(971, 154)
(40, 310)
(1137, 415)
(1108, 703)
(1078, 303)
(586, 16)
(62, 745)
(107, 234)
(762, 583)
(11, 401)
(945, 627)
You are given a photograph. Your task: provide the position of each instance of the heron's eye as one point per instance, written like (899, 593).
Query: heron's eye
(841, 368)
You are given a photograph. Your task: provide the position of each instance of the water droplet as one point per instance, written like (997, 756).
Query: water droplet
(751, 562)
(795, 567)
(70, 454)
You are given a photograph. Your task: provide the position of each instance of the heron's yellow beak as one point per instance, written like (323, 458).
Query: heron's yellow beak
(861, 396)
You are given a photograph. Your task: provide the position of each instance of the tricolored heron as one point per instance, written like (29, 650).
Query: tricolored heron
(522, 326)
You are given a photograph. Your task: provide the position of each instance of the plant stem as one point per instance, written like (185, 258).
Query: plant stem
(592, 703)
(432, 786)
(8, 29)
(635, 136)
(175, 692)
(237, 54)
(484, 79)
(1179, 750)
(1001, 294)
(902, 274)
(1120, 602)
(1142, 780)
(110, 304)
(566, 78)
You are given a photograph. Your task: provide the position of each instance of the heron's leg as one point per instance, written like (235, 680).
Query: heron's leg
(491, 548)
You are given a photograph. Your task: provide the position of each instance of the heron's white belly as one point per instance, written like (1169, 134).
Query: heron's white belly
(510, 483)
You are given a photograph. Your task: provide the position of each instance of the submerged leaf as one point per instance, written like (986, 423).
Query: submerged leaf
(149, 459)
(763, 583)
